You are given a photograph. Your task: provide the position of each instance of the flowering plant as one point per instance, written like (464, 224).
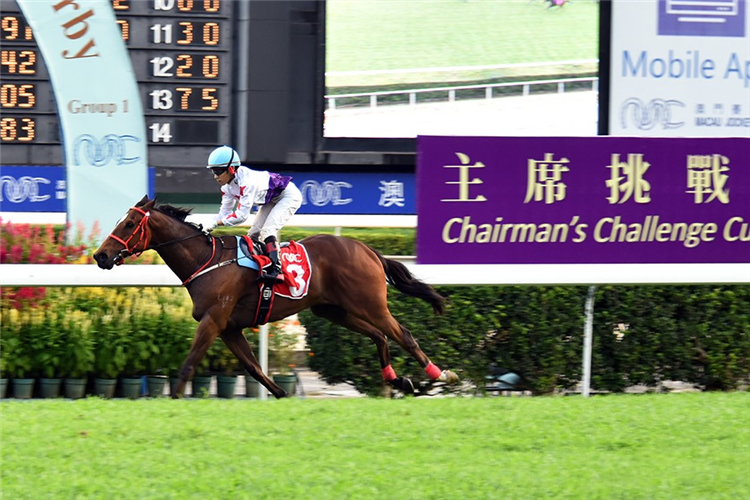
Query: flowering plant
(72, 332)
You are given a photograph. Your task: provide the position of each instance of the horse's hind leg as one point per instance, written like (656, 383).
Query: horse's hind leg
(341, 317)
(239, 346)
(396, 331)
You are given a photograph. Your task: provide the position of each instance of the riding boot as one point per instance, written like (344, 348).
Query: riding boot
(272, 273)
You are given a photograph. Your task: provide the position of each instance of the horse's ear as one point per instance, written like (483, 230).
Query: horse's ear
(142, 202)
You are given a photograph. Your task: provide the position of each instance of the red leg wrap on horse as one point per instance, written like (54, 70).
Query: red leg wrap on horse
(389, 373)
(432, 371)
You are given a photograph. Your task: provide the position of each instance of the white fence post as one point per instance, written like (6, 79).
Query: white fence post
(588, 335)
(263, 354)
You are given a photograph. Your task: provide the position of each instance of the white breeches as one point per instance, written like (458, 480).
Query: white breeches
(274, 215)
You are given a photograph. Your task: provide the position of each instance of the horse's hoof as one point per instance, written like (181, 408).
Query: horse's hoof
(404, 385)
(448, 377)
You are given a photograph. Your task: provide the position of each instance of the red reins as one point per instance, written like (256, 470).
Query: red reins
(144, 237)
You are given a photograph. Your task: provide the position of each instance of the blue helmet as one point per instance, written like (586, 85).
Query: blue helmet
(223, 157)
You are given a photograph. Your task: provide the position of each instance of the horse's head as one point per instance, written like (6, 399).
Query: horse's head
(130, 236)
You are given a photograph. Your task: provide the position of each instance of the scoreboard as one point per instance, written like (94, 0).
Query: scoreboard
(181, 52)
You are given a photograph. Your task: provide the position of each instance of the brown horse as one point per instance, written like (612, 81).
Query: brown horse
(347, 286)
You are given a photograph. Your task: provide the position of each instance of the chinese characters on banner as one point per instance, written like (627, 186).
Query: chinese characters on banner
(519, 200)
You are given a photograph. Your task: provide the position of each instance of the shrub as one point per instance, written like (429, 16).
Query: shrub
(642, 335)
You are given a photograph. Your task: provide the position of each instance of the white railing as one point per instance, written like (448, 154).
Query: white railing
(456, 69)
(297, 220)
(434, 274)
(451, 91)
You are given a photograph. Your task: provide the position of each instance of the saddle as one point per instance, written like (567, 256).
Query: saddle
(252, 250)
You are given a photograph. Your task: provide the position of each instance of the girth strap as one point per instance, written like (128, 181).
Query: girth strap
(265, 304)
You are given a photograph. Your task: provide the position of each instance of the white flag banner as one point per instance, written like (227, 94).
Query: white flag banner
(102, 126)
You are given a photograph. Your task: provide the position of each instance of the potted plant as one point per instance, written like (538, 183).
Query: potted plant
(18, 363)
(282, 344)
(3, 365)
(226, 365)
(47, 341)
(200, 385)
(78, 359)
(136, 353)
(156, 363)
(109, 356)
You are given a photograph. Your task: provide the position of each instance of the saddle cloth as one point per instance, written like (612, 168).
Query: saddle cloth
(295, 265)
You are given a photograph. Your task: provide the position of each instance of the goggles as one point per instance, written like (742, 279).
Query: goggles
(217, 171)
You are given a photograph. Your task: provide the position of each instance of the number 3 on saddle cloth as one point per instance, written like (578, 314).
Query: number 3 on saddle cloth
(295, 266)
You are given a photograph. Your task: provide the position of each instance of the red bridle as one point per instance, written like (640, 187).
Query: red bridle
(140, 231)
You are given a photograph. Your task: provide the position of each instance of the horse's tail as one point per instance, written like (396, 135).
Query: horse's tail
(399, 276)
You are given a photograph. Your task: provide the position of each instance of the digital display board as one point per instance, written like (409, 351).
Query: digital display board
(181, 51)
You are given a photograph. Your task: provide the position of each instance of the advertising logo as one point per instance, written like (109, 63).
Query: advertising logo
(702, 17)
(322, 194)
(100, 153)
(22, 189)
(646, 116)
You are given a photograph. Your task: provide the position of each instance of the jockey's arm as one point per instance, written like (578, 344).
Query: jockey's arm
(242, 210)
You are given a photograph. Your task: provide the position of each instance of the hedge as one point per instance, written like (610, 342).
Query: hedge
(642, 334)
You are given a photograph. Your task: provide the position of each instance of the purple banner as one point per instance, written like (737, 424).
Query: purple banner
(556, 200)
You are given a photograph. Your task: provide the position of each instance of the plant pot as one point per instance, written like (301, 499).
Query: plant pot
(252, 387)
(75, 388)
(131, 387)
(225, 386)
(49, 387)
(23, 388)
(3, 387)
(201, 386)
(286, 382)
(105, 387)
(156, 384)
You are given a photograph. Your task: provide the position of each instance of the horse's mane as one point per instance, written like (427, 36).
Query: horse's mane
(178, 213)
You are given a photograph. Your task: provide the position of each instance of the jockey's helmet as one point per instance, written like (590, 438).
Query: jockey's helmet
(223, 157)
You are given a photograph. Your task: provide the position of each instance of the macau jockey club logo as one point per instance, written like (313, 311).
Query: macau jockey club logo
(322, 194)
(23, 189)
(101, 152)
(646, 116)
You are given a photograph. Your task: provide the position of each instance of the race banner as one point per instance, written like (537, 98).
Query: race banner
(356, 193)
(559, 200)
(36, 188)
(101, 117)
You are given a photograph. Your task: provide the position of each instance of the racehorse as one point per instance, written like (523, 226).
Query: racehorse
(347, 286)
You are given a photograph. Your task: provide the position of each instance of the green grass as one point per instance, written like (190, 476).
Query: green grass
(398, 34)
(626, 447)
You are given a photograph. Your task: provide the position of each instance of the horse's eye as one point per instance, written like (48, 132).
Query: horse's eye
(129, 224)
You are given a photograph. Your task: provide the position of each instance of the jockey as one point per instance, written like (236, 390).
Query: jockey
(242, 188)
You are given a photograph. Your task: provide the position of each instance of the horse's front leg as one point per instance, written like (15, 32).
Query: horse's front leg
(205, 335)
(239, 346)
